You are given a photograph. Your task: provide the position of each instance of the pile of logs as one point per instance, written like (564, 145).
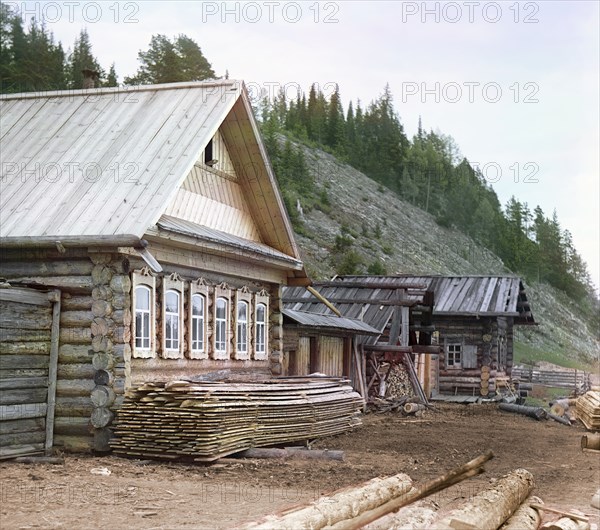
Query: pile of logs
(588, 410)
(391, 502)
(206, 421)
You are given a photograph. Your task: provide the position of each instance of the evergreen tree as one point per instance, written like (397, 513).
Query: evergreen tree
(81, 58)
(335, 127)
(168, 61)
(193, 64)
(111, 78)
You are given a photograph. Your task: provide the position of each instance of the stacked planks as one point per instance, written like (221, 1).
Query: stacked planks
(588, 410)
(209, 420)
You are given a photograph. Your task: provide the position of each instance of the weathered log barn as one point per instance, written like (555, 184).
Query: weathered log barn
(143, 237)
(458, 329)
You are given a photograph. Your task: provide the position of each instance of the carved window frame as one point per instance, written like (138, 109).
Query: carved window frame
(243, 296)
(260, 298)
(198, 288)
(143, 278)
(222, 291)
(173, 282)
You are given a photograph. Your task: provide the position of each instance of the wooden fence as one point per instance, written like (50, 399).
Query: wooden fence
(576, 380)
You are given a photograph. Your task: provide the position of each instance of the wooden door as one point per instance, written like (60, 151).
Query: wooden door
(331, 356)
(302, 357)
(29, 326)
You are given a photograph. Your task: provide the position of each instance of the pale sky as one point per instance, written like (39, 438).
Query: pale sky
(515, 84)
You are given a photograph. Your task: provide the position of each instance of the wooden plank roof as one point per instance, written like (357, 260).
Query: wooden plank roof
(318, 320)
(478, 296)
(107, 162)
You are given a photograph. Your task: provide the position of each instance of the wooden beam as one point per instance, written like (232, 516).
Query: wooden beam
(294, 281)
(420, 348)
(388, 348)
(371, 285)
(395, 326)
(372, 301)
(24, 296)
(52, 373)
(127, 240)
(324, 300)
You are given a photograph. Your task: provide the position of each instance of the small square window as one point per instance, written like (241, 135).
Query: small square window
(453, 355)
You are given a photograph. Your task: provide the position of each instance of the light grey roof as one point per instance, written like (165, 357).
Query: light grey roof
(102, 162)
(108, 162)
(330, 321)
(212, 235)
(459, 295)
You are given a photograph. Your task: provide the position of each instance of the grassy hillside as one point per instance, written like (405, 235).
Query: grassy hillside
(350, 222)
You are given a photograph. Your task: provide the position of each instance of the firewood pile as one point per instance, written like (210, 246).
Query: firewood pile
(209, 420)
(588, 410)
(398, 383)
(506, 503)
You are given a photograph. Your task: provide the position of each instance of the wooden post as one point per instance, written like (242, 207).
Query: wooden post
(54, 297)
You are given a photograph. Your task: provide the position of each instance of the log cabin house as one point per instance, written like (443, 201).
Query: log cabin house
(457, 330)
(143, 237)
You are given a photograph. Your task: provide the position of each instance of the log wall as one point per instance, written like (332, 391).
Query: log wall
(486, 334)
(95, 363)
(27, 371)
(71, 272)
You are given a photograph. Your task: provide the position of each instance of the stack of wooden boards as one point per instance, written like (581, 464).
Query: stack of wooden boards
(209, 420)
(588, 410)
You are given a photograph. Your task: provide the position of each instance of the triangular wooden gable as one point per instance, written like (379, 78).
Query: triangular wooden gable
(235, 191)
(213, 196)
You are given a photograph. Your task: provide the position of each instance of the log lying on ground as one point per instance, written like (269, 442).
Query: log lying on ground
(414, 516)
(493, 506)
(470, 469)
(412, 408)
(291, 452)
(526, 517)
(537, 413)
(590, 441)
(341, 505)
(39, 460)
(558, 419)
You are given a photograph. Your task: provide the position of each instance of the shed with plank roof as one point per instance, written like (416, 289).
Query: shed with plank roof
(470, 319)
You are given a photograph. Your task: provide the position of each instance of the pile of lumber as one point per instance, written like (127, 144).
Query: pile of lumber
(588, 410)
(209, 420)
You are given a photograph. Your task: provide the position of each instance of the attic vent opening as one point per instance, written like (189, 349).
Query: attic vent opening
(209, 160)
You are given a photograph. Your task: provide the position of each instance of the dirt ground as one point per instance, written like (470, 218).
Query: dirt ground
(142, 494)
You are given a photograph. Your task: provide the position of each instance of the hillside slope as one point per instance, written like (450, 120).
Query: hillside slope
(375, 226)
